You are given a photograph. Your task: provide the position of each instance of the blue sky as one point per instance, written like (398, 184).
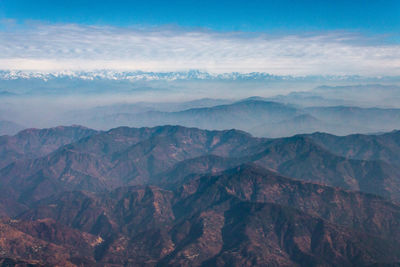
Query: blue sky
(287, 36)
(376, 16)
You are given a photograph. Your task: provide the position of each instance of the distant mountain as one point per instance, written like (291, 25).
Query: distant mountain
(361, 120)
(97, 114)
(197, 103)
(299, 124)
(363, 94)
(9, 128)
(362, 90)
(242, 115)
(310, 99)
(257, 116)
(296, 113)
(181, 75)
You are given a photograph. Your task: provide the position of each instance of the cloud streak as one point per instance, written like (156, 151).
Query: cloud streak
(76, 47)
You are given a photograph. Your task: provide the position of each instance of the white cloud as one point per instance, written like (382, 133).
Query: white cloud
(75, 47)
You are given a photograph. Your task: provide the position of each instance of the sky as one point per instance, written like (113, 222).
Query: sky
(284, 37)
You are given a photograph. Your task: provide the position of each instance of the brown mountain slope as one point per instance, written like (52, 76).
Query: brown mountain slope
(33, 143)
(385, 147)
(129, 156)
(252, 183)
(240, 217)
(265, 234)
(300, 158)
(107, 160)
(45, 243)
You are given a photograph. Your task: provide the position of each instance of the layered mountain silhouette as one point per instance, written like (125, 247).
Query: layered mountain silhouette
(240, 115)
(296, 113)
(258, 116)
(9, 127)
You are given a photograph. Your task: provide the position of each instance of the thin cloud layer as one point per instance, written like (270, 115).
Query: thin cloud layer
(75, 47)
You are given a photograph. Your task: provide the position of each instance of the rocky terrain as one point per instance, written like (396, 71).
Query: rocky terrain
(176, 196)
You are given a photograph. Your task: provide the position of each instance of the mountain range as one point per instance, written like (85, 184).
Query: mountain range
(338, 110)
(9, 127)
(178, 196)
(177, 75)
(259, 117)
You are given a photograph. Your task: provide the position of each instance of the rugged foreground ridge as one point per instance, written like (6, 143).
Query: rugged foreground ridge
(179, 196)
